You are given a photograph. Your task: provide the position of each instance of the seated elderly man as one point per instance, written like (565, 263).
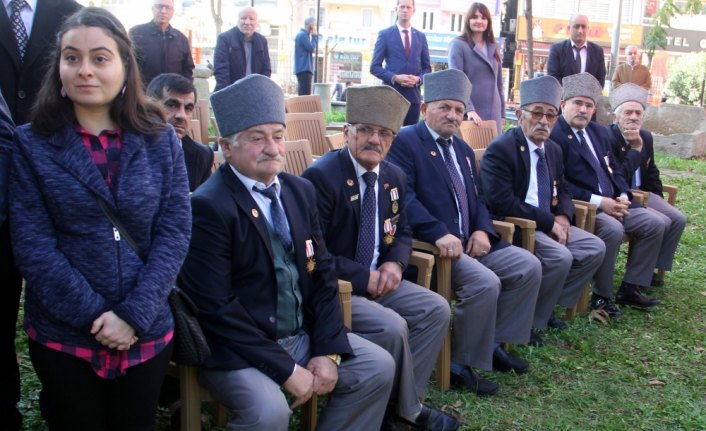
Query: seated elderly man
(595, 175)
(496, 284)
(364, 219)
(264, 282)
(522, 175)
(177, 96)
(628, 103)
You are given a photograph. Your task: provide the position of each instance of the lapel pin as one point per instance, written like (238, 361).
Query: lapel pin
(355, 197)
(349, 182)
(385, 186)
(433, 153)
(570, 136)
(522, 148)
(255, 213)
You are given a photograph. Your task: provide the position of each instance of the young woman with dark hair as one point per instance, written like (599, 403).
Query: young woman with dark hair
(96, 312)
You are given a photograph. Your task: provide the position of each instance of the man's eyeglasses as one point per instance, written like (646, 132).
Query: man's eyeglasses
(163, 7)
(369, 132)
(537, 115)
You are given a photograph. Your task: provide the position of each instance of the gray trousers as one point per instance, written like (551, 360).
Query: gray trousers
(565, 270)
(410, 323)
(675, 227)
(357, 402)
(495, 299)
(646, 229)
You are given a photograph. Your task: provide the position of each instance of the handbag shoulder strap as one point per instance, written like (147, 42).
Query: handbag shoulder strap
(118, 225)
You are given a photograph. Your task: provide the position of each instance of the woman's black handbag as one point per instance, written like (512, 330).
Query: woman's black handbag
(190, 346)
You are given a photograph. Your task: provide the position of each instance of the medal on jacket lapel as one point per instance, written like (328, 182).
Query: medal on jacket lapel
(394, 197)
(607, 163)
(555, 198)
(389, 229)
(310, 262)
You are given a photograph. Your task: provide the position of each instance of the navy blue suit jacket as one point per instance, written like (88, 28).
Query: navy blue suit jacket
(199, 161)
(645, 160)
(505, 174)
(562, 61)
(229, 273)
(431, 202)
(339, 198)
(229, 57)
(583, 181)
(389, 48)
(20, 80)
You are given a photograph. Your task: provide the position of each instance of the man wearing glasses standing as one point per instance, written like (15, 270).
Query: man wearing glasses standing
(522, 174)
(160, 47)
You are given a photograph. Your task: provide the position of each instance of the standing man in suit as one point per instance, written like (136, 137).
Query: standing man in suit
(595, 175)
(161, 48)
(406, 55)
(27, 37)
(177, 95)
(241, 51)
(576, 54)
(496, 284)
(364, 221)
(305, 44)
(522, 173)
(265, 284)
(629, 102)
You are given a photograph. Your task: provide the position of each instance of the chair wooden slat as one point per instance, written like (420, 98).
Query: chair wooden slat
(298, 104)
(298, 156)
(478, 136)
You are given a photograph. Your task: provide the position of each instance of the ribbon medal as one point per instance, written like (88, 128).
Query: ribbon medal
(310, 262)
(555, 198)
(389, 230)
(394, 197)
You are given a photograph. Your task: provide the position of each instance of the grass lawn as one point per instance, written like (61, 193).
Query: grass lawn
(644, 371)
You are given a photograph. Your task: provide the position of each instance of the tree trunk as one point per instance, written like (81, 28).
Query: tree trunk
(216, 12)
(530, 41)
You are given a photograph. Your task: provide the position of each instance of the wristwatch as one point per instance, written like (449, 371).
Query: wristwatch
(336, 358)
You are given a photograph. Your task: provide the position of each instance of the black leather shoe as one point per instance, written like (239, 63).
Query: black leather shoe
(474, 382)
(657, 281)
(434, 420)
(599, 302)
(556, 323)
(536, 339)
(629, 294)
(646, 290)
(503, 361)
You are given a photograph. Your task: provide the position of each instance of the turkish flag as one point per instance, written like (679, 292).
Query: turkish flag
(651, 7)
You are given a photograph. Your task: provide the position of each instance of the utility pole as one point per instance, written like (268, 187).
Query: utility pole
(615, 46)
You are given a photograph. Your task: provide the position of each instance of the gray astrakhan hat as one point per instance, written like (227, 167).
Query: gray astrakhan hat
(449, 84)
(545, 89)
(583, 85)
(628, 93)
(248, 102)
(379, 105)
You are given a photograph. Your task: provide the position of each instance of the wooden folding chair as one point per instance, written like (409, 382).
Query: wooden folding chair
(192, 393)
(195, 130)
(298, 156)
(298, 104)
(585, 218)
(478, 136)
(311, 126)
(203, 115)
(671, 192)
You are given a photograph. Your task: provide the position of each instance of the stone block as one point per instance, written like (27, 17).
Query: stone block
(684, 145)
